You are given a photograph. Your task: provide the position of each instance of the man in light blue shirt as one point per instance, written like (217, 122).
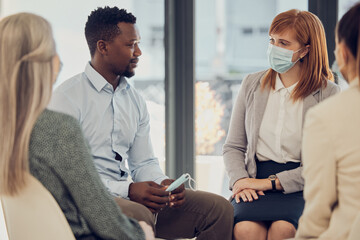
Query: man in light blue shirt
(93, 102)
(115, 122)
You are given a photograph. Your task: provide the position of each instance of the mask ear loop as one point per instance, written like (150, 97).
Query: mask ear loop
(191, 181)
(302, 58)
(299, 59)
(156, 216)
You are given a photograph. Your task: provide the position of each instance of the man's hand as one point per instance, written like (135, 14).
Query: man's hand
(176, 197)
(150, 194)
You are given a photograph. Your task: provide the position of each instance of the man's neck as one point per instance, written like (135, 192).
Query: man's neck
(108, 75)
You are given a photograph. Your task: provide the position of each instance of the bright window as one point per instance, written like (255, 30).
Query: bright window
(68, 19)
(344, 6)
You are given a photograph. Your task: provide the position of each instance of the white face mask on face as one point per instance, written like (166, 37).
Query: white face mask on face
(280, 59)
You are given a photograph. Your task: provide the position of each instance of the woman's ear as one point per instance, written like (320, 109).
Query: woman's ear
(342, 53)
(305, 51)
(56, 66)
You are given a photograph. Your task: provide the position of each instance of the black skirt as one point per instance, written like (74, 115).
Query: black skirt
(272, 206)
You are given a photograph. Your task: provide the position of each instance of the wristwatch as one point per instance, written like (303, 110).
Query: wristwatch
(272, 178)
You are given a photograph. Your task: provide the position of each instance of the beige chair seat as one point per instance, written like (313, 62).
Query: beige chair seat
(34, 214)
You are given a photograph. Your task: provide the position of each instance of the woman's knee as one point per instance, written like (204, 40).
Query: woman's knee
(281, 230)
(250, 230)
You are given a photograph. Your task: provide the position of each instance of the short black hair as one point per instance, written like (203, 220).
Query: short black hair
(102, 25)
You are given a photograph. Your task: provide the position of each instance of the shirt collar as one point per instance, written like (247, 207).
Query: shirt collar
(123, 84)
(100, 82)
(279, 85)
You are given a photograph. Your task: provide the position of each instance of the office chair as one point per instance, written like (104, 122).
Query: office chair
(33, 214)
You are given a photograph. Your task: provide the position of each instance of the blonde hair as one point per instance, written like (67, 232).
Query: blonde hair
(308, 30)
(27, 48)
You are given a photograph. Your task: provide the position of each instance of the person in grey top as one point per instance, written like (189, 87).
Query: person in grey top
(116, 124)
(48, 144)
(61, 161)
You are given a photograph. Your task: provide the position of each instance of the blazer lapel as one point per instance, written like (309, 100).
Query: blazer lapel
(260, 101)
(309, 102)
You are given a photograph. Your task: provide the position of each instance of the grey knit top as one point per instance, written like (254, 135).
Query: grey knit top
(60, 159)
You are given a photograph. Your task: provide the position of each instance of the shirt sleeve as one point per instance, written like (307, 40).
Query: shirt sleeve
(117, 188)
(74, 165)
(320, 177)
(143, 165)
(291, 180)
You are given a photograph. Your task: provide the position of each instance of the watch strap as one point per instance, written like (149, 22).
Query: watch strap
(273, 185)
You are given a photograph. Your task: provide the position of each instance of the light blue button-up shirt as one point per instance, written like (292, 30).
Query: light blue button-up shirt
(113, 121)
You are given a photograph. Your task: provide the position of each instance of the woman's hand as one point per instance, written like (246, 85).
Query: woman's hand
(251, 183)
(247, 195)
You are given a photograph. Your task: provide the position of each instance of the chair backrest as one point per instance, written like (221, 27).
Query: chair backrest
(3, 231)
(34, 214)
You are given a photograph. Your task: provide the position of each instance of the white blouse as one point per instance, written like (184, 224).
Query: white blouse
(281, 127)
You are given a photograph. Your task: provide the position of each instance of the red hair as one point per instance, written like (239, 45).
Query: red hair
(308, 30)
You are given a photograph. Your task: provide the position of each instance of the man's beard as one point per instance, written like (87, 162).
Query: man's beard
(128, 73)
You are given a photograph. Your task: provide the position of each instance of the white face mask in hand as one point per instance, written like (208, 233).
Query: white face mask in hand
(280, 59)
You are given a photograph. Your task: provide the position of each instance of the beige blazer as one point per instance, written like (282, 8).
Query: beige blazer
(240, 145)
(331, 162)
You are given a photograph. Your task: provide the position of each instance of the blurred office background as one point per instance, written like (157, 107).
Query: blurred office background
(224, 41)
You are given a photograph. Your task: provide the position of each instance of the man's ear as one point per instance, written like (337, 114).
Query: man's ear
(101, 46)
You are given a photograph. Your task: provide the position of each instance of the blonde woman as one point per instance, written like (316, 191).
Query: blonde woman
(262, 150)
(47, 144)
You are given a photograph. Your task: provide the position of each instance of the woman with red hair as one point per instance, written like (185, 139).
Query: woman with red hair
(262, 152)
